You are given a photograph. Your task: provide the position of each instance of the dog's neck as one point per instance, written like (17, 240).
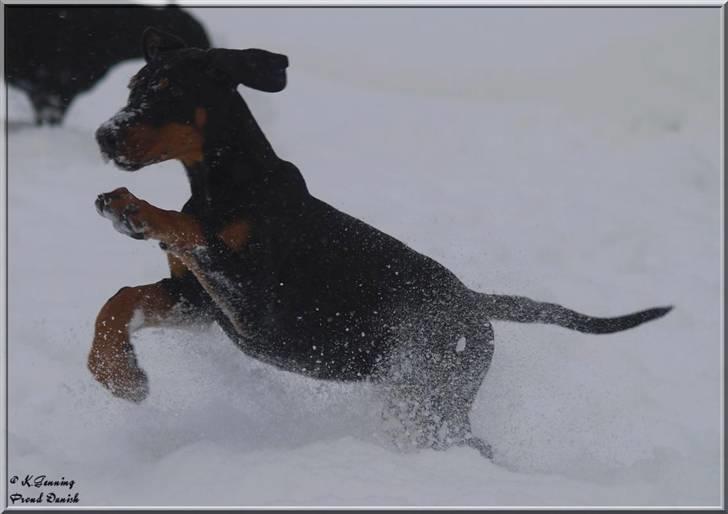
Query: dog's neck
(235, 152)
(234, 138)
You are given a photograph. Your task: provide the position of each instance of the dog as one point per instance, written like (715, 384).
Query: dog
(55, 53)
(291, 280)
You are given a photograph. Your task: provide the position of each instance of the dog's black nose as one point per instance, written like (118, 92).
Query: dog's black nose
(107, 140)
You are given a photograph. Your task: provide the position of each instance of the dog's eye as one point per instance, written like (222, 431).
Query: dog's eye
(162, 84)
(176, 91)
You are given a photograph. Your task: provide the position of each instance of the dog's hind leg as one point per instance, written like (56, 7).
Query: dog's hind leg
(461, 381)
(112, 360)
(432, 382)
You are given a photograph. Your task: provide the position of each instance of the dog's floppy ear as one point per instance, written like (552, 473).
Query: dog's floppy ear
(255, 68)
(155, 41)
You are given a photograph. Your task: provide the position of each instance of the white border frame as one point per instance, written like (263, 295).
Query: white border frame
(4, 215)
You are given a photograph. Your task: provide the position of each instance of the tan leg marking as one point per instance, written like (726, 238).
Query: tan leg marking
(176, 230)
(112, 360)
(176, 268)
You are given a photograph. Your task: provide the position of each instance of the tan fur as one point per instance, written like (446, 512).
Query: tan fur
(176, 268)
(147, 144)
(235, 235)
(175, 229)
(112, 360)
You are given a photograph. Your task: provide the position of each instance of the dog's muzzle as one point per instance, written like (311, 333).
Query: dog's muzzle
(107, 140)
(110, 137)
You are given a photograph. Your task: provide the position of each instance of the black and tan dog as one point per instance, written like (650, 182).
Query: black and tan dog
(292, 281)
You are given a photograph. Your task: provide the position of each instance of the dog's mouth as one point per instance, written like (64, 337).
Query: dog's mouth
(123, 162)
(126, 164)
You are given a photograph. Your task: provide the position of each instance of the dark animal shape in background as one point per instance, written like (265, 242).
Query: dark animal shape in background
(293, 281)
(55, 53)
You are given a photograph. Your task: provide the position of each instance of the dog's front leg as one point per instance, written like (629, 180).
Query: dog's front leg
(183, 236)
(112, 360)
(141, 220)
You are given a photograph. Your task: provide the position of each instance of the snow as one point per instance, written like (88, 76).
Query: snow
(566, 155)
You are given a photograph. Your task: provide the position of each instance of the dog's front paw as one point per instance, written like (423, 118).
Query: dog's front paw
(119, 373)
(125, 212)
(133, 387)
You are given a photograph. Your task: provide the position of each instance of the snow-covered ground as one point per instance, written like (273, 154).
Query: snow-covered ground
(568, 155)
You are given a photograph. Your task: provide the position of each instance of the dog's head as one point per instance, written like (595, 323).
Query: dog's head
(172, 97)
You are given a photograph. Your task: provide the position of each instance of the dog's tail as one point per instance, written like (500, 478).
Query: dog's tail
(525, 310)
